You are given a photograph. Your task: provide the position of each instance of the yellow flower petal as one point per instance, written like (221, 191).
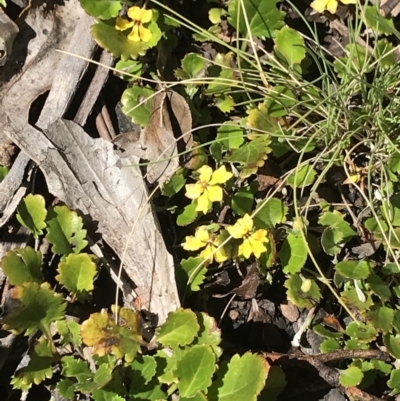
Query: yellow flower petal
(145, 34)
(202, 234)
(135, 13)
(260, 235)
(348, 1)
(203, 204)
(241, 227)
(321, 5)
(208, 253)
(193, 191)
(257, 247)
(146, 15)
(134, 35)
(214, 193)
(220, 256)
(245, 249)
(205, 173)
(220, 176)
(192, 244)
(121, 24)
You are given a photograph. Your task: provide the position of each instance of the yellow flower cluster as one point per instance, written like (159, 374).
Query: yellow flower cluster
(210, 242)
(139, 16)
(253, 240)
(331, 5)
(207, 189)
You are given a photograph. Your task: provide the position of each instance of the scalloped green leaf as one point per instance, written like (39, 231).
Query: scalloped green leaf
(131, 67)
(379, 23)
(244, 379)
(38, 306)
(361, 332)
(279, 101)
(384, 53)
(65, 231)
(141, 371)
(195, 276)
(379, 287)
(381, 317)
(31, 213)
(263, 17)
(225, 103)
(21, 265)
(209, 333)
(261, 122)
(242, 201)
(224, 75)
(394, 381)
(195, 370)
(117, 42)
(290, 44)
(77, 273)
(354, 269)
(329, 345)
(39, 367)
(302, 177)
(350, 297)
(133, 107)
(179, 329)
(270, 213)
(293, 253)
(251, 156)
(174, 184)
(230, 136)
(105, 336)
(188, 215)
(295, 293)
(392, 343)
(351, 376)
(69, 330)
(193, 66)
(103, 9)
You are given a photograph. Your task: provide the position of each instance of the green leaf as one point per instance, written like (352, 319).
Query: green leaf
(130, 67)
(117, 42)
(103, 9)
(122, 339)
(381, 317)
(394, 381)
(290, 45)
(215, 14)
(133, 107)
(293, 253)
(392, 343)
(38, 307)
(251, 155)
(384, 53)
(39, 367)
(188, 215)
(225, 103)
(141, 371)
(77, 273)
(263, 17)
(32, 214)
(329, 345)
(174, 184)
(361, 332)
(224, 75)
(261, 122)
(279, 101)
(322, 331)
(351, 376)
(379, 287)
(66, 388)
(190, 266)
(193, 66)
(230, 136)
(350, 297)
(179, 329)
(21, 265)
(296, 294)
(270, 213)
(379, 23)
(65, 231)
(209, 333)
(354, 269)
(195, 370)
(243, 200)
(301, 177)
(100, 378)
(69, 330)
(244, 379)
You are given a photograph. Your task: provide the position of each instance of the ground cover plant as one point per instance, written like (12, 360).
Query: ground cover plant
(286, 199)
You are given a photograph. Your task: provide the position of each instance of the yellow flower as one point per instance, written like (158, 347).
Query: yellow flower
(139, 16)
(331, 5)
(253, 241)
(206, 190)
(203, 239)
